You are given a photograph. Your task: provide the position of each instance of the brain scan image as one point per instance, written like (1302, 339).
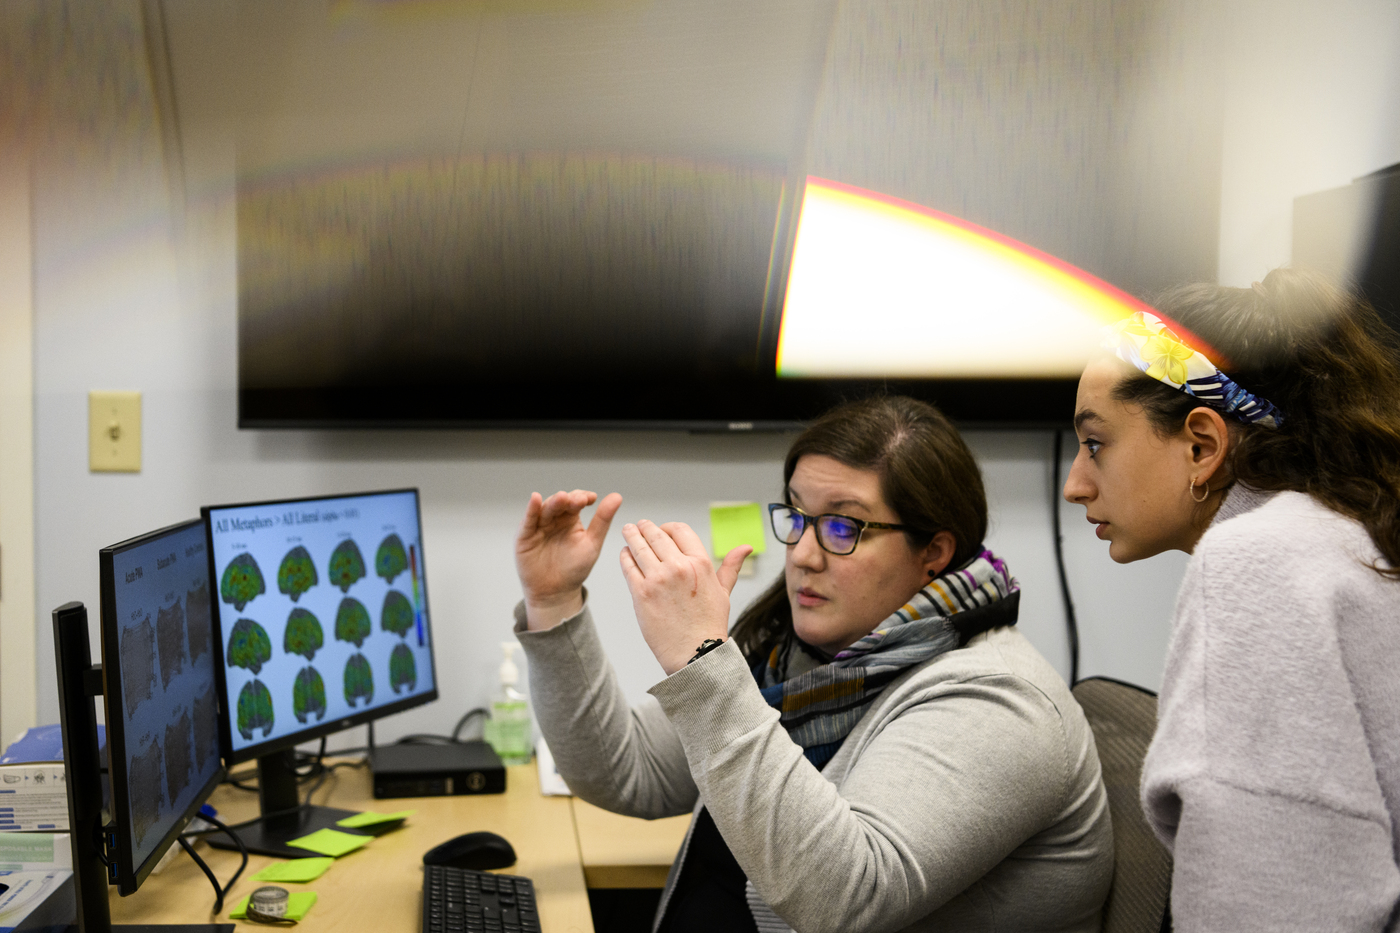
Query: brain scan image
(296, 574)
(403, 671)
(303, 634)
(309, 695)
(144, 772)
(242, 581)
(255, 709)
(138, 654)
(248, 646)
(179, 751)
(359, 680)
(391, 559)
(397, 614)
(170, 637)
(352, 622)
(347, 565)
(197, 620)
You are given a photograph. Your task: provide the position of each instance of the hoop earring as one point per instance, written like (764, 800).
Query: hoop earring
(1192, 489)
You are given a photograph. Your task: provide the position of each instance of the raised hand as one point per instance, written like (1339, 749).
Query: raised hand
(555, 552)
(679, 598)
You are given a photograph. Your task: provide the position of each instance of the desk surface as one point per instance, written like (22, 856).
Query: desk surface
(380, 887)
(625, 852)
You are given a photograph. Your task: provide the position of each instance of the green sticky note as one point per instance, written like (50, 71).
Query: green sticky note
(300, 870)
(369, 818)
(330, 842)
(736, 523)
(298, 903)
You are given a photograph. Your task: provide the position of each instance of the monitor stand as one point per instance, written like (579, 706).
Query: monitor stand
(79, 680)
(277, 793)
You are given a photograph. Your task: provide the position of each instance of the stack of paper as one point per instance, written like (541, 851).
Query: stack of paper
(551, 784)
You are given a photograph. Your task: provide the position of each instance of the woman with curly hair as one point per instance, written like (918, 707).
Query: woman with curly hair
(1258, 430)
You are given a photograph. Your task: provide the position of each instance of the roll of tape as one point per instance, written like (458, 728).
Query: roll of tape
(270, 900)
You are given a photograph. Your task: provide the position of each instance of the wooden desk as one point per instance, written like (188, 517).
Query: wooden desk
(625, 852)
(379, 888)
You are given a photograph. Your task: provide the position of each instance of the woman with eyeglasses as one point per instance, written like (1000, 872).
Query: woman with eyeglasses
(1258, 430)
(874, 746)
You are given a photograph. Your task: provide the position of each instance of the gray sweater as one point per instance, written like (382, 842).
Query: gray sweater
(967, 798)
(1275, 771)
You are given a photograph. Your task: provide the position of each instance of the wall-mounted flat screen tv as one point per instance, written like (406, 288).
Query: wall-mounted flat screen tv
(599, 218)
(602, 292)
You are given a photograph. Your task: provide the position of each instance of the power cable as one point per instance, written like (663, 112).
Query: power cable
(219, 892)
(1071, 622)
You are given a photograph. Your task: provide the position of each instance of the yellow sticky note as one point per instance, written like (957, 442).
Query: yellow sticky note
(370, 818)
(330, 842)
(299, 870)
(736, 523)
(298, 903)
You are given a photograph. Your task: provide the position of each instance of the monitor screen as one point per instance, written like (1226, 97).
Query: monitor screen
(322, 613)
(158, 654)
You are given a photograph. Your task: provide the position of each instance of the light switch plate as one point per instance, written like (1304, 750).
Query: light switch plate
(114, 432)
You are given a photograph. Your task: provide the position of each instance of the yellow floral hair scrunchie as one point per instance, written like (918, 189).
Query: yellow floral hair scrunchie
(1143, 340)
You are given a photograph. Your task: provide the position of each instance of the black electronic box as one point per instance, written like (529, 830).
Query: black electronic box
(437, 770)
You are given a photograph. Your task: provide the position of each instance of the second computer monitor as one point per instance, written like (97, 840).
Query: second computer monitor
(158, 652)
(322, 613)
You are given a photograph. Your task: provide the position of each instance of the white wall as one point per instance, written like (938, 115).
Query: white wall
(1312, 101)
(128, 295)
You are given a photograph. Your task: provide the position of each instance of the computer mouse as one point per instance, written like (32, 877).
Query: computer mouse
(479, 851)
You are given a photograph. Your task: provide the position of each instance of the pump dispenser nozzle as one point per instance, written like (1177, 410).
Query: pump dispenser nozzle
(509, 673)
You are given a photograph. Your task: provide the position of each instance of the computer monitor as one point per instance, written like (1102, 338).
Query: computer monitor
(158, 682)
(158, 662)
(321, 611)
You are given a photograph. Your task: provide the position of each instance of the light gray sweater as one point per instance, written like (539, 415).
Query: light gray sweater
(1275, 771)
(967, 798)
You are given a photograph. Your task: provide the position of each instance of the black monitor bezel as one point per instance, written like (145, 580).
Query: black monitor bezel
(129, 876)
(310, 733)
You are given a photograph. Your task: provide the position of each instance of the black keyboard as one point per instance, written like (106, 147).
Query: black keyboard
(459, 900)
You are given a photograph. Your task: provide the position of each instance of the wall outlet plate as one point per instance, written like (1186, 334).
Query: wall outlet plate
(114, 432)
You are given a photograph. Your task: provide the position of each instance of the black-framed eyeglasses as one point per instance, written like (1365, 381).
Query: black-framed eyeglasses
(836, 534)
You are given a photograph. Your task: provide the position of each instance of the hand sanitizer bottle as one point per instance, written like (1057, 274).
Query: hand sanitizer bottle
(508, 728)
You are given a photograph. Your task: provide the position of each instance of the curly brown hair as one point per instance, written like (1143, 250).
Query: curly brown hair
(927, 475)
(1328, 362)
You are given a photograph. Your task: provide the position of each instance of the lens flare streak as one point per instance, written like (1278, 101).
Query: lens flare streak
(880, 287)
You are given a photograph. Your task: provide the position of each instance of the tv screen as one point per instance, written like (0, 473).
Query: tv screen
(676, 299)
(603, 218)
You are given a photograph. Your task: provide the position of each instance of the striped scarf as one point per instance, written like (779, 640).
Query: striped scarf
(821, 706)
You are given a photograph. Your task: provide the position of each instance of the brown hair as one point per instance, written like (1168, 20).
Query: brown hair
(1327, 361)
(927, 476)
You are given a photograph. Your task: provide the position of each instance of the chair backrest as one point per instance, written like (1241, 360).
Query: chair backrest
(1123, 718)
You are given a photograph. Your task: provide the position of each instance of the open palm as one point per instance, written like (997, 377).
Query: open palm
(555, 552)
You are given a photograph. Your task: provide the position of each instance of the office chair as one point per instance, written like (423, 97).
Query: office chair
(1123, 718)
